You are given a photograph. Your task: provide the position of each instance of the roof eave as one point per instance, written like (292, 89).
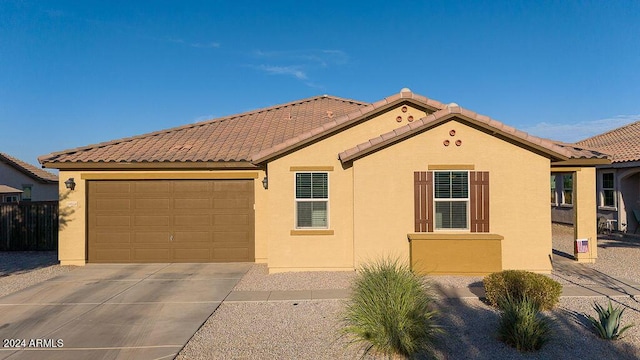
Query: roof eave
(210, 165)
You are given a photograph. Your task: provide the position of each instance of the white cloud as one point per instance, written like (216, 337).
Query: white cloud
(211, 45)
(284, 70)
(579, 131)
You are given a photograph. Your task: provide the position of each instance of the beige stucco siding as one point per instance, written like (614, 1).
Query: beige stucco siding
(519, 186)
(72, 246)
(332, 251)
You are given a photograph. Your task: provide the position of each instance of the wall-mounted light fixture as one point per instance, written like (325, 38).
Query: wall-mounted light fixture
(265, 183)
(70, 184)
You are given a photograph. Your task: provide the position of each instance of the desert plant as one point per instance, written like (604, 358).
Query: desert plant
(517, 284)
(607, 326)
(521, 325)
(389, 311)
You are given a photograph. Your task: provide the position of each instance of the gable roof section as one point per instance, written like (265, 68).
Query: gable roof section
(622, 143)
(28, 169)
(223, 141)
(405, 96)
(553, 150)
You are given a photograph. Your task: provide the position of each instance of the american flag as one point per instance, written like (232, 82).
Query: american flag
(582, 245)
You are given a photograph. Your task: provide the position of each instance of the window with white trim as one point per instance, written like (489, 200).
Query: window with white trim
(567, 189)
(608, 190)
(312, 200)
(451, 199)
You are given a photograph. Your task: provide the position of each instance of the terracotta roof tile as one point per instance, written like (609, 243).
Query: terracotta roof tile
(228, 139)
(28, 169)
(622, 143)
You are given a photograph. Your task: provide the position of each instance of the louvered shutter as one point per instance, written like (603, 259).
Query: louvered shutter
(479, 200)
(423, 201)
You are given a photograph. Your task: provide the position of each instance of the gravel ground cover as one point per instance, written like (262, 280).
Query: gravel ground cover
(21, 269)
(309, 329)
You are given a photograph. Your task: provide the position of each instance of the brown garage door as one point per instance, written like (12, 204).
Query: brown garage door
(171, 221)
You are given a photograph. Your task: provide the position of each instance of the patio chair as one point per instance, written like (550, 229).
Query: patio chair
(636, 213)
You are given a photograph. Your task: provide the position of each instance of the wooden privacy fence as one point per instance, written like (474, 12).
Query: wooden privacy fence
(29, 226)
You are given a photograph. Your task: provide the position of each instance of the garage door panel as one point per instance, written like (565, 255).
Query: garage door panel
(192, 237)
(112, 255)
(233, 186)
(152, 204)
(151, 237)
(224, 220)
(192, 204)
(202, 254)
(171, 221)
(145, 187)
(186, 186)
(151, 254)
(232, 204)
(151, 220)
(113, 205)
(113, 237)
(230, 254)
(113, 220)
(112, 188)
(192, 220)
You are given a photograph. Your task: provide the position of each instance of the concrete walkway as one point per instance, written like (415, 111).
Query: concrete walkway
(583, 282)
(114, 311)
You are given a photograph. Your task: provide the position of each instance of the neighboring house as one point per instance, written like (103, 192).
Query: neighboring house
(325, 183)
(20, 181)
(618, 183)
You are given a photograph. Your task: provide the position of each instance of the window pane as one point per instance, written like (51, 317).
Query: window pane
(568, 197)
(607, 181)
(608, 198)
(567, 182)
(442, 185)
(319, 186)
(459, 185)
(451, 215)
(312, 214)
(303, 186)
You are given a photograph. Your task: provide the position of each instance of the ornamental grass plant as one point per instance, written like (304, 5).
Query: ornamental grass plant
(390, 311)
(521, 325)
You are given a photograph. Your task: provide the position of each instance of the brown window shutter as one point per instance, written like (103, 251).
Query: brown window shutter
(479, 201)
(423, 200)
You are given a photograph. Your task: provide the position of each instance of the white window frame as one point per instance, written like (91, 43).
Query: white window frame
(11, 198)
(564, 200)
(297, 200)
(467, 200)
(612, 189)
(554, 189)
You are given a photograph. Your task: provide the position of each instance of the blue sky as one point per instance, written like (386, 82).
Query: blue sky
(73, 73)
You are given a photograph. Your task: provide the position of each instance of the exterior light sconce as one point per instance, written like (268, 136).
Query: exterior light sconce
(70, 184)
(265, 183)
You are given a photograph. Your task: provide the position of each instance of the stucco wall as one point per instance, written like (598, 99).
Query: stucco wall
(519, 192)
(332, 249)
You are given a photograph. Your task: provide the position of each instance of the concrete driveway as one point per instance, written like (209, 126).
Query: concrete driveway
(114, 311)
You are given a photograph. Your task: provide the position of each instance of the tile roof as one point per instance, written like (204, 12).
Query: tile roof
(6, 189)
(256, 136)
(28, 169)
(556, 150)
(622, 143)
(228, 139)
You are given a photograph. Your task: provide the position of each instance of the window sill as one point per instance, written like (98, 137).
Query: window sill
(304, 232)
(608, 208)
(566, 205)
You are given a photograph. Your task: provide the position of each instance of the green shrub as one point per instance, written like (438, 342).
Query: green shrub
(389, 311)
(608, 324)
(517, 284)
(521, 325)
